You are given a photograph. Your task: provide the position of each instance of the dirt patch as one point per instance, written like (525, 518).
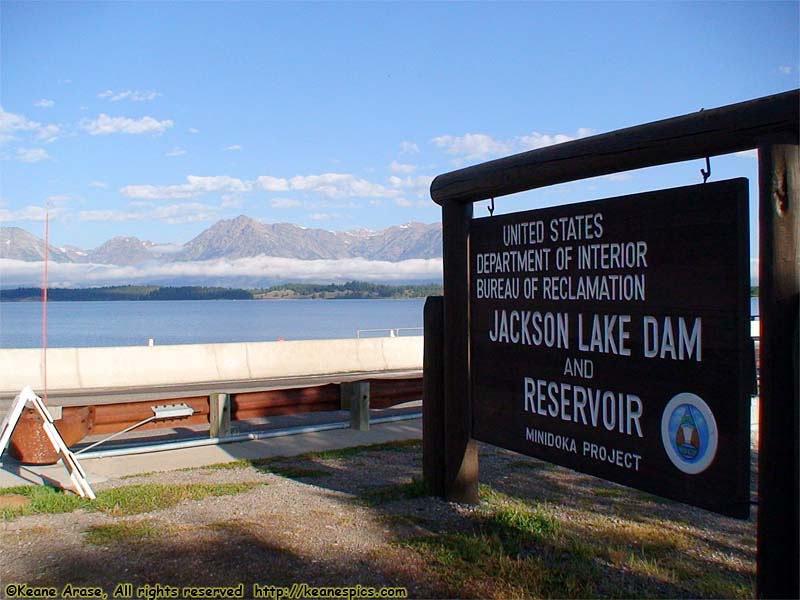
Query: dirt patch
(14, 501)
(360, 519)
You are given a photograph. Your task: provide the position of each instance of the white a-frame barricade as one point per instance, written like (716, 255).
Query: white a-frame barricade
(25, 397)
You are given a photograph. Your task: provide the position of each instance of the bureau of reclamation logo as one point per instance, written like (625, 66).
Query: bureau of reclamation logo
(689, 433)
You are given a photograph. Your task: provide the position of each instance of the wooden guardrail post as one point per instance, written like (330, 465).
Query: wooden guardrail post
(433, 461)
(355, 396)
(219, 415)
(779, 407)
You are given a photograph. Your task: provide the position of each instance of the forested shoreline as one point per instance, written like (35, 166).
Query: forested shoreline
(289, 291)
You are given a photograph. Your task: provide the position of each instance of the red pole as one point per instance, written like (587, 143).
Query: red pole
(44, 304)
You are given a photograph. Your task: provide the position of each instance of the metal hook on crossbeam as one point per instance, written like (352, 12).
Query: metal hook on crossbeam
(706, 173)
(491, 208)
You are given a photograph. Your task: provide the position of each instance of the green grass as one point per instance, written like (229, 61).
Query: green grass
(415, 488)
(609, 492)
(136, 499)
(101, 535)
(513, 549)
(516, 548)
(267, 463)
(401, 446)
(126, 500)
(291, 472)
(44, 500)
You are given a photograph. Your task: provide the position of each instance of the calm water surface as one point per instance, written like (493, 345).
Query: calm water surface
(129, 323)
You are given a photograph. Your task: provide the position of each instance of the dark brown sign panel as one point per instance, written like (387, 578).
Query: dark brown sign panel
(612, 337)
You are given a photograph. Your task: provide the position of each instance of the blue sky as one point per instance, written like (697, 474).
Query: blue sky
(158, 119)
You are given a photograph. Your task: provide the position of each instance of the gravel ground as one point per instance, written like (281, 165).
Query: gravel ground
(318, 529)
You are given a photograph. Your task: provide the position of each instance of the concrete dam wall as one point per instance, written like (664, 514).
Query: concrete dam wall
(141, 366)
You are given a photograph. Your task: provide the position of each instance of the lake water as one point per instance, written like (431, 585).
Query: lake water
(127, 323)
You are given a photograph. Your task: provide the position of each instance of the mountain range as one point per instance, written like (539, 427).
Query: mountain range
(241, 237)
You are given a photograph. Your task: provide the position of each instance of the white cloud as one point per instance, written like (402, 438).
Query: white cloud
(272, 184)
(12, 124)
(753, 153)
(32, 155)
(98, 184)
(408, 148)
(327, 204)
(403, 202)
(332, 185)
(17, 272)
(341, 185)
(28, 213)
(48, 133)
(285, 203)
(195, 186)
(233, 148)
(480, 146)
(419, 185)
(785, 69)
(104, 125)
(45, 103)
(403, 169)
(540, 140)
(132, 95)
(109, 215)
(472, 146)
(191, 212)
(176, 152)
(185, 213)
(193, 130)
(324, 216)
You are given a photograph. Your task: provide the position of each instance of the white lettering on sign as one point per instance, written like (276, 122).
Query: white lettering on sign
(628, 255)
(626, 460)
(523, 234)
(665, 340)
(512, 261)
(576, 367)
(594, 287)
(530, 328)
(578, 227)
(607, 334)
(613, 411)
(551, 440)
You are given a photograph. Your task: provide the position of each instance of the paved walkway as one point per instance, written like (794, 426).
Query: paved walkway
(101, 469)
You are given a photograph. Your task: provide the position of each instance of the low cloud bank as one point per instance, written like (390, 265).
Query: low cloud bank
(266, 269)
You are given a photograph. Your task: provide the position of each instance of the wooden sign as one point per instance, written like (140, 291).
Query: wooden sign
(612, 337)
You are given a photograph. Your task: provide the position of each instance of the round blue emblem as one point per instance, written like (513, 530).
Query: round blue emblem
(689, 433)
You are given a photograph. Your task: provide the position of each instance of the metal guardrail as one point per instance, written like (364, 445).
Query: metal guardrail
(393, 332)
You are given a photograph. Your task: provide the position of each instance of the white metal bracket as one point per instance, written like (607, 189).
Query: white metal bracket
(76, 472)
